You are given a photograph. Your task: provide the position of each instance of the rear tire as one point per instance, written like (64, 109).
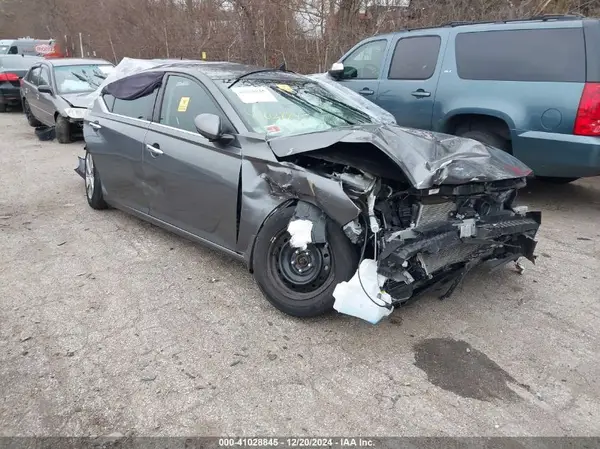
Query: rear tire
(301, 283)
(63, 130)
(93, 185)
(556, 180)
(483, 136)
(33, 122)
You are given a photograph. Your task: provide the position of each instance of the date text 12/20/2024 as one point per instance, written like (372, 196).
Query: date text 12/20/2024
(296, 442)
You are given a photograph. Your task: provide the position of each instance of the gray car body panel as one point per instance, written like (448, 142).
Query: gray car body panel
(246, 186)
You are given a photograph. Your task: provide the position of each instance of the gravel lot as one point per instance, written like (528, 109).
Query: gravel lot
(108, 324)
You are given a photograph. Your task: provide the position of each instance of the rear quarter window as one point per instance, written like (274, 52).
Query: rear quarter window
(550, 55)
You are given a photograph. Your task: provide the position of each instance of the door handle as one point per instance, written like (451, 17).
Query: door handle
(420, 93)
(366, 91)
(154, 150)
(95, 125)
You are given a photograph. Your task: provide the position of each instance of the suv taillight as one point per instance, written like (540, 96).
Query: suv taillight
(8, 77)
(587, 122)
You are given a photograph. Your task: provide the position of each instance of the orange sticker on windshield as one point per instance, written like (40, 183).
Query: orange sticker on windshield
(273, 129)
(183, 104)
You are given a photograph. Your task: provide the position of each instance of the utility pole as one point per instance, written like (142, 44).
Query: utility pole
(81, 45)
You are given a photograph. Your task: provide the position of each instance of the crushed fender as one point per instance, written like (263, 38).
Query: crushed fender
(362, 296)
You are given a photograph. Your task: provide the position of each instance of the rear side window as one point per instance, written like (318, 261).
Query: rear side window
(140, 108)
(556, 54)
(415, 58)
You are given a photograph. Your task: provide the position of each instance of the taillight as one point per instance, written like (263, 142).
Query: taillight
(587, 122)
(8, 77)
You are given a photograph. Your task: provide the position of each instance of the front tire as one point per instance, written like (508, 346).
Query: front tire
(301, 283)
(93, 186)
(63, 130)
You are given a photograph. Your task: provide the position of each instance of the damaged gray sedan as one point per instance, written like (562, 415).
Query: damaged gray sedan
(278, 170)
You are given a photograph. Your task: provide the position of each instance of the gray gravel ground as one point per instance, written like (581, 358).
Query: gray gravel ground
(108, 324)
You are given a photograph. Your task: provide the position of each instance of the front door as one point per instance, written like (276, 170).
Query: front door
(363, 67)
(193, 183)
(45, 101)
(407, 91)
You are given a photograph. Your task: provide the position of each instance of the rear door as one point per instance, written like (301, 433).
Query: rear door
(115, 138)
(193, 182)
(407, 89)
(366, 62)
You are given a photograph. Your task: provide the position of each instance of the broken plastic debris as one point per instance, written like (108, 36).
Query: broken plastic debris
(365, 301)
(300, 232)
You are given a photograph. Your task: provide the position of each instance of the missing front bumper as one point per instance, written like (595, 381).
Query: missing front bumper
(442, 255)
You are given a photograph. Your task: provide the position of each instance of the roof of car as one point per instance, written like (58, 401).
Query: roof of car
(221, 70)
(58, 62)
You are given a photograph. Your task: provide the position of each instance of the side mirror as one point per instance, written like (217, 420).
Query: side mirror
(210, 126)
(337, 70)
(45, 89)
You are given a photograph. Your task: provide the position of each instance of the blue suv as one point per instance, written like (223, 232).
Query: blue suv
(530, 87)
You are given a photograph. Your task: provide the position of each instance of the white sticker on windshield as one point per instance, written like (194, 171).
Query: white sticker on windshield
(252, 94)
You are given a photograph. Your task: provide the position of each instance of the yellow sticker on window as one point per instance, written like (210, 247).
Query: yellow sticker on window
(183, 104)
(285, 87)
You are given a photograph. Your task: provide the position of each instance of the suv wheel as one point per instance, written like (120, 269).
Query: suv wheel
(483, 136)
(63, 130)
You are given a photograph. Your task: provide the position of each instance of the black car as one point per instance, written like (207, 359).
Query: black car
(55, 93)
(12, 69)
(276, 169)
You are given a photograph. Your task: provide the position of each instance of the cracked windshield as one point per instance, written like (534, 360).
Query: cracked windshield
(285, 108)
(81, 78)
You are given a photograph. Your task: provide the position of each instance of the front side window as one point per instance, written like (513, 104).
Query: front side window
(287, 107)
(365, 62)
(415, 58)
(184, 99)
(34, 76)
(140, 108)
(80, 78)
(44, 79)
(554, 54)
(13, 50)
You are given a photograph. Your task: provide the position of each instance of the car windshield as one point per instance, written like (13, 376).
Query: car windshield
(81, 78)
(4, 49)
(280, 108)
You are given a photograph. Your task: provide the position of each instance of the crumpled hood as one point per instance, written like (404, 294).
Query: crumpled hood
(81, 100)
(428, 159)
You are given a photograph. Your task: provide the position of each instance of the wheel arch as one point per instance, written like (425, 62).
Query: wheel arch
(496, 121)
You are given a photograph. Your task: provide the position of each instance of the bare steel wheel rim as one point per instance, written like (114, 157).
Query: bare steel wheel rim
(89, 175)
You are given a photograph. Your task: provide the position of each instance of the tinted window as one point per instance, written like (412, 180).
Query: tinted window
(13, 50)
(367, 60)
(415, 58)
(44, 77)
(185, 99)
(140, 108)
(522, 55)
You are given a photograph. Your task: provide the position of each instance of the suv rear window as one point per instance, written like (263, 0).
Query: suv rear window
(555, 54)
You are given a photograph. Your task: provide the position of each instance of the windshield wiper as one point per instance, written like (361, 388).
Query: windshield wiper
(302, 101)
(257, 71)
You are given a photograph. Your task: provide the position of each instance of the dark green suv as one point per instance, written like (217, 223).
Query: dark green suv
(530, 87)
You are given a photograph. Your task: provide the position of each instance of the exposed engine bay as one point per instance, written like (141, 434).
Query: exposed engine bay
(421, 238)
